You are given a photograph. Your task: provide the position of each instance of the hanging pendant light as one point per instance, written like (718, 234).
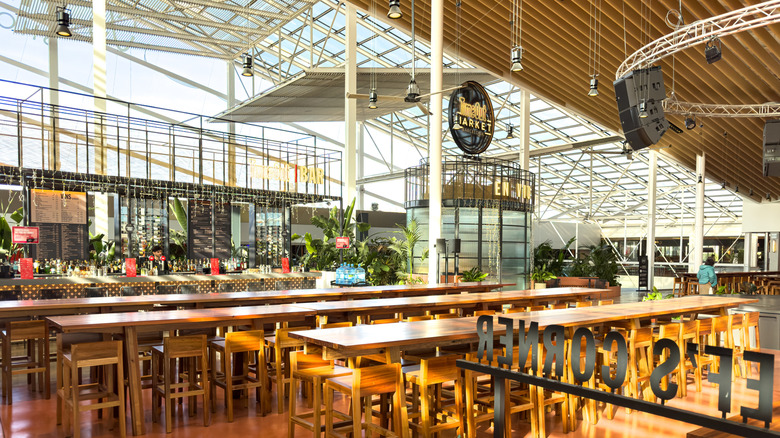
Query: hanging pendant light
(510, 132)
(517, 58)
(247, 71)
(412, 92)
(456, 126)
(394, 12)
(594, 87)
(63, 22)
(372, 99)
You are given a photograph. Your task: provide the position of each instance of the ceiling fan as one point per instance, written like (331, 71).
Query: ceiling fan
(412, 90)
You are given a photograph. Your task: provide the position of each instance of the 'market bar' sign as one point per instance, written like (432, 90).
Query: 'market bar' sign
(471, 109)
(614, 375)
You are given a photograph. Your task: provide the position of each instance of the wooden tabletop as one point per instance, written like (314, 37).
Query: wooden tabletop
(32, 307)
(350, 340)
(117, 322)
(432, 302)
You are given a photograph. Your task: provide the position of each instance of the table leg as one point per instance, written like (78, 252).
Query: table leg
(393, 355)
(134, 381)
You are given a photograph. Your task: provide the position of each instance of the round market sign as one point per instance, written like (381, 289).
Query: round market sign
(471, 111)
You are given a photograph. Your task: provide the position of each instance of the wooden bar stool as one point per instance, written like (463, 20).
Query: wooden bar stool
(363, 384)
(35, 335)
(446, 315)
(167, 386)
(672, 331)
(677, 287)
(557, 306)
(245, 343)
(107, 355)
(281, 344)
(689, 332)
(427, 407)
(583, 304)
(419, 318)
(310, 369)
(737, 332)
(721, 336)
(484, 312)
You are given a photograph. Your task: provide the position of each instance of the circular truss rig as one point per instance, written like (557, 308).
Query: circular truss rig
(702, 31)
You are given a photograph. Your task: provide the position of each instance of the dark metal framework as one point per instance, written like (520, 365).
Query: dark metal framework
(501, 375)
(473, 182)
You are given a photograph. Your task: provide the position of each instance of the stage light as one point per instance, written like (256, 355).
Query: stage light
(712, 51)
(372, 99)
(690, 123)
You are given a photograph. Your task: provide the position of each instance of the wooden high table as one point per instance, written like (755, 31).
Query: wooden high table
(131, 323)
(29, 308)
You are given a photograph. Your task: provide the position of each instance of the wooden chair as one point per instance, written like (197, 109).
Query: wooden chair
(721, 336)
(737, 333)
(689, 332)
(192, 352)
(557, 306)
(677, 287)
(535, 308)
(245, 343)
(447, 315)
(484, 312)
(514, 310)
(672, 331)
(337, 324)
(363, 384)
(751, 334)
(419, 318)
(429, 415)
(583, 304)
(704, 335)
(640, 366)
(101, 394)
(385, 321)
(310, 369)
(281, 344)
(35, 336)
(606, 302)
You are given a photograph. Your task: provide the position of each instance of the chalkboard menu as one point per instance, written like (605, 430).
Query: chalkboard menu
(643, 273)
(62, 219)
(199, 231)
(222, 231)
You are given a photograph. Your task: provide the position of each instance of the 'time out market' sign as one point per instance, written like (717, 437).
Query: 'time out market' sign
(614, 375)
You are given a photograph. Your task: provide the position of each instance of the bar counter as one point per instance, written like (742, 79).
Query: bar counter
(74, 287)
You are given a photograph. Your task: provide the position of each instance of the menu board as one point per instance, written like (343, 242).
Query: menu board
(62, 220)
(55, 207)
(201, 238)
(222, 231)
(199, 230)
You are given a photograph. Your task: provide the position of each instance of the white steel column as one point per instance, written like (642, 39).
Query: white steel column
(231, 102)
(360, 164)
(697, 243)
(748, 250)
(525, 130)
(102, 220)
(54, 99)
(350, 105)
(651, 197)
(434, 137)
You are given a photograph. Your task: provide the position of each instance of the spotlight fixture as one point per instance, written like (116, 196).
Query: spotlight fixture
(750, 193)
(517, 58)
(594, 87)
(712, 51)
(723, 185)
(412, 92)
(510, 132)
(372, 98)
(642, 110)
(690, 123)
(736, 189)
(394, 12)
(700, 179)
(456, 126)
(63, 22)
(768, 197)
(247, 71)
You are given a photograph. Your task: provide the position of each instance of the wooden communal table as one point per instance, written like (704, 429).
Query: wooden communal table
(131, 323)
(391, 339)
(351, 310)
(30, 308)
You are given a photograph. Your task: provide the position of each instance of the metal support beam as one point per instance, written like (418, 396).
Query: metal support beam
(651, 197)
(350, 105)
(434, 136)
(525, 130)
(697, 243)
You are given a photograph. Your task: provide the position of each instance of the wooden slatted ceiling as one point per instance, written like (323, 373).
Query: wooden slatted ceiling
(555, 61)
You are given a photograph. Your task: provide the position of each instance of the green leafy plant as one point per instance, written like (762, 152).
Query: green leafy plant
(321, 254)
(656, 295)
(178, 239)
(603, 263)
(473, 275)
(545, 254)
(541, 274)
(748, 288)
(405, 248)
(9, 249)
